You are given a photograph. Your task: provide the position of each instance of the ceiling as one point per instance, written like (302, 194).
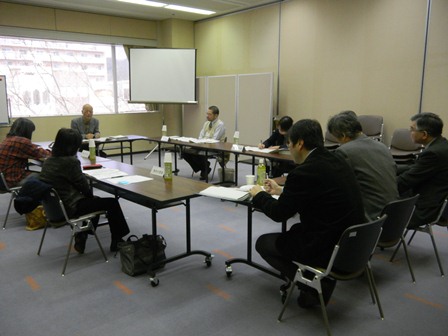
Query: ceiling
(113, 7)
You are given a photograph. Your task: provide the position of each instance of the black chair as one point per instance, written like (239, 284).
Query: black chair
(350, 259)
(399, 214)
(14, 191)
(372, 126)
(56, 213)
(427, 228)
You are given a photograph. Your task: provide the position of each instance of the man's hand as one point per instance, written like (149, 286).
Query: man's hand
(272, 188)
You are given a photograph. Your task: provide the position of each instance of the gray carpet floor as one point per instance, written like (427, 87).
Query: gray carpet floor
(96, 298)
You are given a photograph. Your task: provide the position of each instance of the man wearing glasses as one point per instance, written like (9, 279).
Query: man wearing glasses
(428, 176)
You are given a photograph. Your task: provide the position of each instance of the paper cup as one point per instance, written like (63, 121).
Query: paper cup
(250, 179)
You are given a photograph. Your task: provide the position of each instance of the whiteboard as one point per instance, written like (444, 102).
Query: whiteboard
(4, 112)
(162, 75)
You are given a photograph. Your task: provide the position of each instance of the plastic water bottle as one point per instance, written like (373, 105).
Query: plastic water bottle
(168, 162)
(236, 137)
(164, 130)
(261, 172)
(92, 151)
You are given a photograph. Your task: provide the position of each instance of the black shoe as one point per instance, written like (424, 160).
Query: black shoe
(204, 176)
(310, 298)
(80, 242)
(114, 245)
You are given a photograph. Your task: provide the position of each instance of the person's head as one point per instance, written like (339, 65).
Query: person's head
(284, 124)
(67, 142)
(344, 126)
(425, 127)
(87, 113)
(304, 136)
(22, 127)
(212, 113)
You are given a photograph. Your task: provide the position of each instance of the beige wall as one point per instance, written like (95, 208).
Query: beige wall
(347, 54)
(335, 55)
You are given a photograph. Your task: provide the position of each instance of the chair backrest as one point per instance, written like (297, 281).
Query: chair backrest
(401, 139)
(372, 125)
(3, 185)
(356, 246)
(443, 207)
(54, 208)
(398, 213)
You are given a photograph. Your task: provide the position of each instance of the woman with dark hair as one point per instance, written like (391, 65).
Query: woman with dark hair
(63, 172)
(15, 151)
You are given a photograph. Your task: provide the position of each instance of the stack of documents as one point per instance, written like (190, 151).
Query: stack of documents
(104, 173)
(194, 140)
(230, 194)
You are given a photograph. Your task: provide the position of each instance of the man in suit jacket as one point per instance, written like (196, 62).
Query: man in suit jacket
(428, 176)
(324, 191)
(374, 166)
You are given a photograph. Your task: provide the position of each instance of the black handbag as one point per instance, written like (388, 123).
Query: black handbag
(138, 254)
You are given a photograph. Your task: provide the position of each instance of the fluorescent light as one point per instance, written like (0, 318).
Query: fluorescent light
(189, 9)
(145, 3)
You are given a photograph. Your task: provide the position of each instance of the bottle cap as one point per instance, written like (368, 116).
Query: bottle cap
(236, 134)
(167, 158)
(261, 161)
(163, 128)
(91, 143)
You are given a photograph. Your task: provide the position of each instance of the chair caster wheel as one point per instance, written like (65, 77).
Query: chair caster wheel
(229, 271)
(154, 281)
(208, 260)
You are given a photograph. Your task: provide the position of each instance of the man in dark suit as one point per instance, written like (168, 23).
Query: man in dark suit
(428, 176)
(324, 191)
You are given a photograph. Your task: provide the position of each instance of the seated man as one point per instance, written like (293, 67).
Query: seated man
(428, 176)
(87, 126)
(324, 191)
(15, 151)
(213, 129)
(277, 141)
(375, 172)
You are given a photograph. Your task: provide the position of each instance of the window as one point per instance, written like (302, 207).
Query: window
(48, 78)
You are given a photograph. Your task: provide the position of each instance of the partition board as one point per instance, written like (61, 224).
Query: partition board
(221, 91)
(254, 107)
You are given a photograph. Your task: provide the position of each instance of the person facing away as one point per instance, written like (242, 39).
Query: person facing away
(213, 128)
(323, 190)
(428, 176)
(16, 149)
(374, 166)
(63, 172)
(278, 141)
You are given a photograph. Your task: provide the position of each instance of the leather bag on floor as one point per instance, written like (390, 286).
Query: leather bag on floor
(137, 255)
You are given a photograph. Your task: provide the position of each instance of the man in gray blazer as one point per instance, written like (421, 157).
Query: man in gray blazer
(428, 176)
(370, 160)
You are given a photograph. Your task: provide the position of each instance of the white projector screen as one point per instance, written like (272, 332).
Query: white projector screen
(162, 75)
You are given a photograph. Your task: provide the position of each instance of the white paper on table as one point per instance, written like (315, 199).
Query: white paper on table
(129, 179)
(104, 173)
(260, 150)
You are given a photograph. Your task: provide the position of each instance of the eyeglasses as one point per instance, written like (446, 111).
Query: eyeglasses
(412, 129)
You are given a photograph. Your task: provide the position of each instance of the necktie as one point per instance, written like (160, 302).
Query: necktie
(210, 125)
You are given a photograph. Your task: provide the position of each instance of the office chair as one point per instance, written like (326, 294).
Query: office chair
(427, 228)
(14, 191)
(56, 213)
(350, 259)
(403, 149)
(330, 142)
(372, 126)
(399, 214)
